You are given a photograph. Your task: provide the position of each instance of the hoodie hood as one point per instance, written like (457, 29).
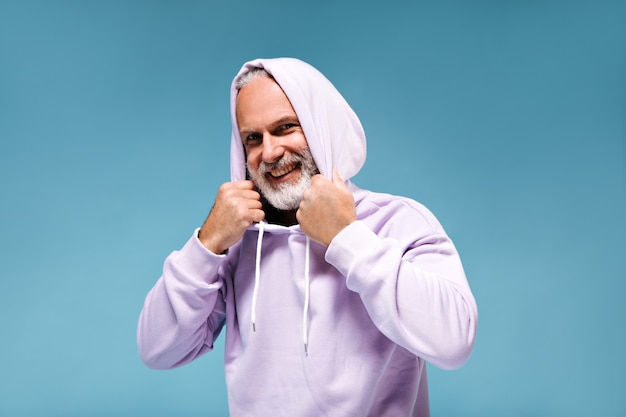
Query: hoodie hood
(333, 131)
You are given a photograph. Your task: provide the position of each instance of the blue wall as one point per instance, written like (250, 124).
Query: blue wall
(506, 118)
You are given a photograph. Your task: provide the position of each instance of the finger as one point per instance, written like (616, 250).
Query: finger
(306, 194)
(250, 195)
(254, 215)
(257, 215)
(318, 179)
(244, 185)
(253, 204)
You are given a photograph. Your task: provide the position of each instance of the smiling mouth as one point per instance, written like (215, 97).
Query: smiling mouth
(283, 171)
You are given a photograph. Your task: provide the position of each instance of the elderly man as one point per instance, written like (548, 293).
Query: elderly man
(333, 297)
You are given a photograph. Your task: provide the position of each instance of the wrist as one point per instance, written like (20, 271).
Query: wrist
(210, 244)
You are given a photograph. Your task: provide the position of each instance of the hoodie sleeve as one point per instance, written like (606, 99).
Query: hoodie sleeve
(413, 287)
(184, 312)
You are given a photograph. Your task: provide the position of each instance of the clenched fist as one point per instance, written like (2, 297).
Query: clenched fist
(327, 207)
(237, 205)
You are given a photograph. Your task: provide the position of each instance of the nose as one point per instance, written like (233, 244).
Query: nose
(272, 148)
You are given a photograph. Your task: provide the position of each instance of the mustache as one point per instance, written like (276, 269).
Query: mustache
(284, 161)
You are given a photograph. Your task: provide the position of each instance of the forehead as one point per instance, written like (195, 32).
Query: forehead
(261, 102)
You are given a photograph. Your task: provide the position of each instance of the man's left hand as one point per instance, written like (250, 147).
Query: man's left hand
(327, 207)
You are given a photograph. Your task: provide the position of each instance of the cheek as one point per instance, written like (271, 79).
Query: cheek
(300, 141)
(252, 159)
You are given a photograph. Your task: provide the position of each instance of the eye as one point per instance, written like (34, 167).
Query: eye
(287, 127)
(253, 138)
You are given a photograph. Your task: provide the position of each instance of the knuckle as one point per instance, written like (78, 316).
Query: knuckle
(239, 212)
(224, 187)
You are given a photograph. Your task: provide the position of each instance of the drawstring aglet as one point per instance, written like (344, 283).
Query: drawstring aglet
(254, 327)
(306, 350)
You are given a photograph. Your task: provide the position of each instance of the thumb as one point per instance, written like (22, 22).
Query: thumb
(337, 180)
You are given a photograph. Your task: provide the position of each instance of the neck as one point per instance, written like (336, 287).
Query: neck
(281, 217)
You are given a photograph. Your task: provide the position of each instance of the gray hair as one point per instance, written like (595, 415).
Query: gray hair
(245, 79)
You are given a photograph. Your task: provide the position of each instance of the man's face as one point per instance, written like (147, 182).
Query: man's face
(278, 157)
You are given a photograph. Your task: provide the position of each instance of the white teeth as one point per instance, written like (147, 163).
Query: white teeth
(283, 171)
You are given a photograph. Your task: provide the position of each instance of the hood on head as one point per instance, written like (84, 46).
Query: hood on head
(332, 129)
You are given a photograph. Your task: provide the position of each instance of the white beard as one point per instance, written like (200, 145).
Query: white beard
(285, 196)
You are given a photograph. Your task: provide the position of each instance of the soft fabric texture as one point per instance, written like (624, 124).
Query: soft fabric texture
(388, 295)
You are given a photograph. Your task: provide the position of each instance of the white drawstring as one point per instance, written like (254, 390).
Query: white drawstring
(257, 273)
(257, 277)
(305, 312)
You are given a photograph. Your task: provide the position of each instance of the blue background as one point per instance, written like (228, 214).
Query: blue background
(506, 118)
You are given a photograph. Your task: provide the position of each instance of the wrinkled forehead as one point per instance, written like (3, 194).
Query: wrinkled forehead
(262, 103)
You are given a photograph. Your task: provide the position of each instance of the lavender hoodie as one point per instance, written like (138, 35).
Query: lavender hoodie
(387, 295)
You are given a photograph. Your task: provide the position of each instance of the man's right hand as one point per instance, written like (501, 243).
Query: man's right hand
(236, 207)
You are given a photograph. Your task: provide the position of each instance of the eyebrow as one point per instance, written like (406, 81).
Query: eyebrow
(277, 122)
(286, 119)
